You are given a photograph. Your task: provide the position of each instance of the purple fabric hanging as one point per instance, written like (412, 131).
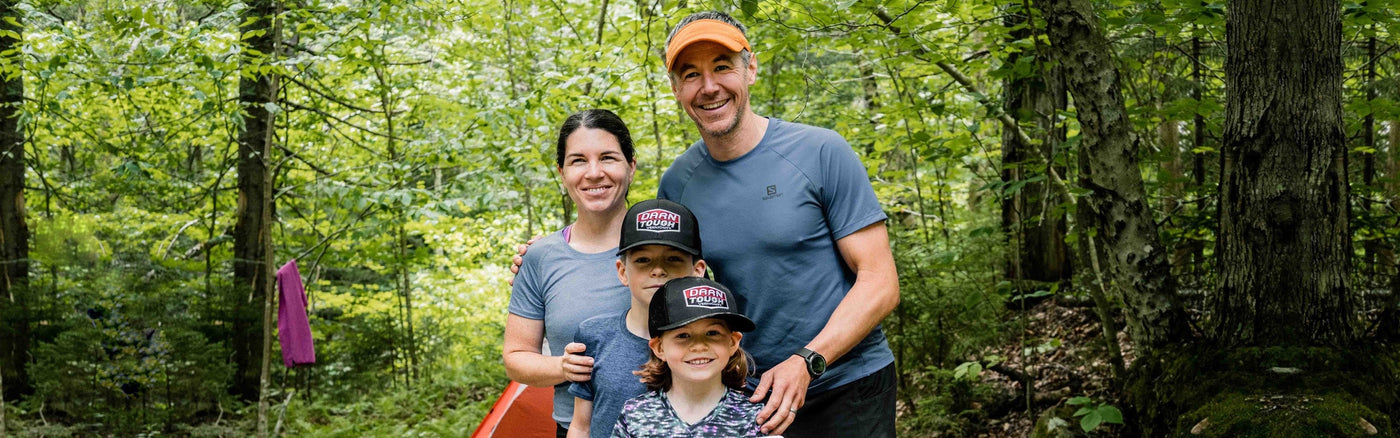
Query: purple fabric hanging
(293, 327)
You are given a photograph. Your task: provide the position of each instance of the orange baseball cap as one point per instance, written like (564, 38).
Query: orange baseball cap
(705, 30)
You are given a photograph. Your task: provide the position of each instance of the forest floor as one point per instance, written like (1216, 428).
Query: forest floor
(1061, 347)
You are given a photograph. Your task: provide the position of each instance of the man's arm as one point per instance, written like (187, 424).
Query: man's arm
(872, 298)
(519, 257)
(525, 364)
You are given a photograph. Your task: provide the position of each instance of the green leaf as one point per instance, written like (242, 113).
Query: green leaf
(969, 370)
(1079, 401)
(1110, 414)
(750, 7)
(1091, 421)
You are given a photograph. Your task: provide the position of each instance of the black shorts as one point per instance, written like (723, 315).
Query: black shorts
(863, 408)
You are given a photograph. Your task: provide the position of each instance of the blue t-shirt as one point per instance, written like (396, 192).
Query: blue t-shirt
(651, 416)
(563, 287)
(616, 354)
(771, 221)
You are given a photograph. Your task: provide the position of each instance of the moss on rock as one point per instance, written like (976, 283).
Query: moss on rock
(1198, 391)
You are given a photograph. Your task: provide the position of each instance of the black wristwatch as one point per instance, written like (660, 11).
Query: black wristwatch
(816, 363)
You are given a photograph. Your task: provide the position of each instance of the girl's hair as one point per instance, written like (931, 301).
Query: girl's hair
(595, 119)
(656, 374)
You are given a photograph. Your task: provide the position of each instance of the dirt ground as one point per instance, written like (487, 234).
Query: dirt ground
(1077, 366)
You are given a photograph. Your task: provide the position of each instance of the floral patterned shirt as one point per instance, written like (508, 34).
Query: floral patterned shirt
(650, 415)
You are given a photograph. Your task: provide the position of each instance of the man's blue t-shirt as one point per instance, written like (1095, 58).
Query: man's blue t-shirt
(562, 287)
(771, 221)
(616, 354)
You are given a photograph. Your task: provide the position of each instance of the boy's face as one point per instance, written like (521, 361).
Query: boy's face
(697, 352)
(645, 268)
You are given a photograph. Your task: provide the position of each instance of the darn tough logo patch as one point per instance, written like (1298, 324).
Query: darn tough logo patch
(706, 297)
(658, 220)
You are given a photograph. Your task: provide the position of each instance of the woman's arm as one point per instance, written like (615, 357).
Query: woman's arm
(583, 418)
(525, 364)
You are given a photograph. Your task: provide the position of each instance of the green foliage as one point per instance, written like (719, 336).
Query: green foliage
(1092, 414)
(127, 362)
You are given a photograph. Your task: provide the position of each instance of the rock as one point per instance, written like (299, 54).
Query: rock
(1367, 427)
(1201, 427)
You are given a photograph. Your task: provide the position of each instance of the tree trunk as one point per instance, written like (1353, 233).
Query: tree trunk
(1379, 251)
(1197, 247)
(14, 232)
(1115, 213)
(1037, 233)
(1284, 246)
(255, 90)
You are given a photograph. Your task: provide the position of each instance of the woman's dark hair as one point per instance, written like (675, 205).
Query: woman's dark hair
(595, 119)
(656, 374)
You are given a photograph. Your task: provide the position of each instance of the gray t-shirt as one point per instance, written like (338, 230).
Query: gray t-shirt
(772, 218)
(562, 287)
(616, 354)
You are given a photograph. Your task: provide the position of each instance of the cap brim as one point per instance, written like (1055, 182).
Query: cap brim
(737, 322)
(692, 251)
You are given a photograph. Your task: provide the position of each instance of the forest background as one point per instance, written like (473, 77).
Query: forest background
(399, 150)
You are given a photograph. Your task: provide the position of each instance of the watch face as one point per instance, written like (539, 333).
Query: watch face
(817, 364)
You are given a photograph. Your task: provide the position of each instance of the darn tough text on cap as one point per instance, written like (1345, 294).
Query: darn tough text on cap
(706, 297)
(658, 220)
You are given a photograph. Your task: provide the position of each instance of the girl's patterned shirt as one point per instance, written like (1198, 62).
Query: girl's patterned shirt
(650, 415)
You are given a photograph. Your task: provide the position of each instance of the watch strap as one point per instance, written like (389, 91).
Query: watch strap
(808, 357)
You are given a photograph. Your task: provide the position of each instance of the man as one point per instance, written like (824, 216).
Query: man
(793, 225)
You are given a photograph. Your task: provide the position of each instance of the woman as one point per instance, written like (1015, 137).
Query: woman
(571, 275)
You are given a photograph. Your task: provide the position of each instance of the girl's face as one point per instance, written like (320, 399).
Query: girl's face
(595, 172)
(697, 352)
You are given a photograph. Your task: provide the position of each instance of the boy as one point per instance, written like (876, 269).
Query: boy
(660, 241)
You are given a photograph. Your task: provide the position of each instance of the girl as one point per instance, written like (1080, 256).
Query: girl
(696, 370)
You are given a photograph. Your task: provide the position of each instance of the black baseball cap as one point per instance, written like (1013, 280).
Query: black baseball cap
(685, 300)
(660, 222)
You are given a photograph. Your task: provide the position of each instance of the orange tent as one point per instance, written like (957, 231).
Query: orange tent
(521, 412)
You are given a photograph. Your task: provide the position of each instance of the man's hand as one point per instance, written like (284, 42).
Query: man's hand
(576, 366)
(788, 382)
(520, 257)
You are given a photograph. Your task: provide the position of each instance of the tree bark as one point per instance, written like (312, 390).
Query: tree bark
(1115, 212)
(1197, 247)
(14, 232)
(1037, 233)
(255, 91)
(1284, 245)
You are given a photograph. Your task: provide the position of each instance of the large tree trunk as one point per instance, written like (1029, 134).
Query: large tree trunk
(1118, 221)
(254, 91)
(14, 233)
(1284, 247)
(1036, 232)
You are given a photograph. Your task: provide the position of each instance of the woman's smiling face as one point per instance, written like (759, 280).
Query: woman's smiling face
(595, 173)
